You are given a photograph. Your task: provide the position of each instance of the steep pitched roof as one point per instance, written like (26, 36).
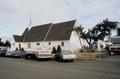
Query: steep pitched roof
(58, 31)
(17, 38)
(26, 30)
(36, 33)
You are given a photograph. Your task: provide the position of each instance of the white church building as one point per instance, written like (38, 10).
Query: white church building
(49, 36)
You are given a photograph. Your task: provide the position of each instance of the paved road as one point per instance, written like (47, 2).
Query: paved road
(11, 68)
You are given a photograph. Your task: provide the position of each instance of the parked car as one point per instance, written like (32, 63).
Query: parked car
(114, 48)
(2, 52)
(8, 53)
(65, 55)
(16, 54)
(29, 55)
(39, 54)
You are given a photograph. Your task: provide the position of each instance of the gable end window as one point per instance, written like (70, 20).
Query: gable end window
(49, 43)
(13, 44)
(37, 44)
(62, 43)
(29, 45)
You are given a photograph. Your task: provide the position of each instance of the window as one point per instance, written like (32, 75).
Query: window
(49, 43)
(62, 43)
(29, 45)
(13, 44)
(116, 43)
(37, 44)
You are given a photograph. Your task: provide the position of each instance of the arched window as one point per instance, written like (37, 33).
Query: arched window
(49, 43)
(37, 44)
(62, 43)
(29, 45)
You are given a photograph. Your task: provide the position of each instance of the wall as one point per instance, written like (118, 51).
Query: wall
(75, 42)
(44, 45)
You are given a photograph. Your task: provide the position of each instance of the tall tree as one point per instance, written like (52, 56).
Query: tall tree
(118, 31)
(59, 50)
(87, 36)
(7, 44)
(79, 30)
(102, 29)
(1, 43)
(96, 33)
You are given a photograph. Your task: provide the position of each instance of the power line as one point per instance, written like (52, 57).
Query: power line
(69, 12)
(66, 10)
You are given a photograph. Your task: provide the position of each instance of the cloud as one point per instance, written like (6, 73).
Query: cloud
(14, 14)
(42, 11)
(90, 12)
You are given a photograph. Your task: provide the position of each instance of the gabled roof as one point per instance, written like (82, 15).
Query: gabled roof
(25, 32)
(58, 31)
(18, 38)
(36, 33)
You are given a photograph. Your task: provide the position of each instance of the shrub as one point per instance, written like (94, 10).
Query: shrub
(22, 49)
(54, 51)
(16, 49)
(59, 49)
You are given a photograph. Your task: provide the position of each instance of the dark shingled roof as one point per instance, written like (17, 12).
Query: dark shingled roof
(25, 32)
(36, 33)
(58, 31)
(17, 38)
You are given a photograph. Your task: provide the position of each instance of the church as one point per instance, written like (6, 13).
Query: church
(48, 36)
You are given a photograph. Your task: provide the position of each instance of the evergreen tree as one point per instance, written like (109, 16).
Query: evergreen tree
(59, 49)
(54, 51)
(1, 43)
(118, 31)
(7, 44)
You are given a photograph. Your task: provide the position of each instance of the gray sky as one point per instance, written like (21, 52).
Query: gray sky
(14, 14)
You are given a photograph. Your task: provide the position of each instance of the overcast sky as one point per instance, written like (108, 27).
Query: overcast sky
(14, 14)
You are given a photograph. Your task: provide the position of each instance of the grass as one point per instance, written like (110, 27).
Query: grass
(91, 55)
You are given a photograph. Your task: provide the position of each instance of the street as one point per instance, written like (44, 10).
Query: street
(12, 68)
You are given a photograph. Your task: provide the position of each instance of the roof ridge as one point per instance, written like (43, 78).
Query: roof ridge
(48, 32)
(65, 22)
(42, 25)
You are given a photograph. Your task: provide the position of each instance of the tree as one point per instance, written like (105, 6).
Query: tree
(102, 29)
(54, 51)
(22, 49)
(1, 43)
(118, 31)
(83, 34)
(79, 30)
(7, 44)
(16, 49)
(87, 36)
(96, 33)
(59, 49)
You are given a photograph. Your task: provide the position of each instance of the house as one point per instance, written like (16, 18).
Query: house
(48, 36)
